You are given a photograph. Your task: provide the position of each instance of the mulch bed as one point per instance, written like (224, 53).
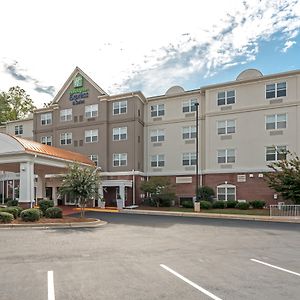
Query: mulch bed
(60, 221)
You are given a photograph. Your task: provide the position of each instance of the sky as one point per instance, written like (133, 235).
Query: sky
(145, 45)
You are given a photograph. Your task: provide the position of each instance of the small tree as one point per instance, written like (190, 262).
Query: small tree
(285, 178)
(82, 183)
(205, 193)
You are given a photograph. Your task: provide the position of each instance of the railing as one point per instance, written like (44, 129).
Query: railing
(282, 210)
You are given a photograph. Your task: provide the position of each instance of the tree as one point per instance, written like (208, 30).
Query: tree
(285, 177)
(16, 104)
(205, 193)
(160, 190)
(82, 183)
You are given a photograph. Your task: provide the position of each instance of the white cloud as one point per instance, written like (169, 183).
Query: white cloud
(287, 45)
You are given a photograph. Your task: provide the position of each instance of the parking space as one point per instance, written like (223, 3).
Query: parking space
(171, 260)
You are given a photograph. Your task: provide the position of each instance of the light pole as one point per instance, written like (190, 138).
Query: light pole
(197, 148)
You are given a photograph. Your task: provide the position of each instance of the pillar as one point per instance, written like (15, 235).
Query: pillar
(41, 186)
(122, 193)
(26, 183)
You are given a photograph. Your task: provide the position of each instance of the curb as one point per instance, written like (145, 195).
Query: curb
(93, 224)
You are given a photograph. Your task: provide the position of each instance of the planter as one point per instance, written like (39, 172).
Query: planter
(196, 206)
(119, 203)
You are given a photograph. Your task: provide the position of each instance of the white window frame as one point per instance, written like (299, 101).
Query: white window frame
(279, 152)
(226, 194)
(19, 129)
(157, 110)
(227, 99)
(157, 135)
(189, 159)
(278, 124)
(91, 136)
(46, 140)
(66, 115)
(66, 137)
(120, 133)
(120, 107)
(275, 90)
(91, 111)
(157, 161)
(229, 156)
(189, 132)
(46, 118)
(189, 106)
(94, 158)
(119, 159)
(226, 127)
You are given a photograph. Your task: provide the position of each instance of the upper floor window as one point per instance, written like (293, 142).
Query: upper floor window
(157, 135)
(189, 159)
(226, 192)
(120, 133)
(66, 138)
(94, 158)
(226, 127)
(189, 132)
(157, 110)
(91, 136)
(91, 111)
(226, 97)
(120, 107)
(119, 159)
(226, 156)
(46, 140)
(46, 119)
(275, 90)
(66, 115)
(189, 106)
(277, 121)
(158, 160)
(18, 129)
(274, 153)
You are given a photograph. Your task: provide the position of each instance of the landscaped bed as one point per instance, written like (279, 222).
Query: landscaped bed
(64, 220)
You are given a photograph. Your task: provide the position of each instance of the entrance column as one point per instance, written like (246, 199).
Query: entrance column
(26, 183)
(122, 193)
(41, 186)
(54, 195)
(100, 193)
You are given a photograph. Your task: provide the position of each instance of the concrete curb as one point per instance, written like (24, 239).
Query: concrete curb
(93, 224)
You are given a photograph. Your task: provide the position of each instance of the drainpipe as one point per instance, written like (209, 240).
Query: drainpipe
(133, 187)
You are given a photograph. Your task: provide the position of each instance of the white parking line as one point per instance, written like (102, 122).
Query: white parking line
(196, 286)
(51, 295)
(275, 267)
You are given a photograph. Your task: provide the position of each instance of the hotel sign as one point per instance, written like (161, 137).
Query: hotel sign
(78, 93)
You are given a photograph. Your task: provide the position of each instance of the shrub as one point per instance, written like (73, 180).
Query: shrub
(205, 205)
(30, 215)
(45, 204)
(6, 217)
(149, 202)
(187, 204)
(259, 204)
(54, 213)
(205, 193)
(231, 204)
(12, 203)
(242, 205)
(219, 204)
(12, 210)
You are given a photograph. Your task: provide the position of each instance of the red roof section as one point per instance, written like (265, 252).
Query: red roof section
(35, 147)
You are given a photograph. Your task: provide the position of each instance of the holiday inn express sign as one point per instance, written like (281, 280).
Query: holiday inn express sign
(78, 93)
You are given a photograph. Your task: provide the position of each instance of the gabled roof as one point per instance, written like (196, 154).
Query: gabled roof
(69, 80)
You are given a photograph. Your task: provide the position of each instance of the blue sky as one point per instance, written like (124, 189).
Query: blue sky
(144, 45)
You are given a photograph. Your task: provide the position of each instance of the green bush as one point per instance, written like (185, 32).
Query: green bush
(12, 203)
(30, 215)
(205, 193)
(54, 213)
(6, 217)
(258, 204)
(231, 204)
(45, 204)
(219, 204)
(187, 204)
(205, 205)
(149, 202)
(12, 210)
(242, 205)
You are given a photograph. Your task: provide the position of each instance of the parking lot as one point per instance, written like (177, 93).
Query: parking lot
(152, 257)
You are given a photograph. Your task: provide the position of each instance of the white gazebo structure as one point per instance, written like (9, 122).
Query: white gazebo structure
(30, 161)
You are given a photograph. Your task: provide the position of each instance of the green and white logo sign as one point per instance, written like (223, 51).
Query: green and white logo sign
(78, 81)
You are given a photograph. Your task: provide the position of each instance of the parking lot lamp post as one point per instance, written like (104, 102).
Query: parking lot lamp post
(197, 149)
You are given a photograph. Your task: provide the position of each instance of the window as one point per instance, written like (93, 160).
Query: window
(120, 133)
(226, 97)
(91, 111)
(46, 119)
(189, 106)
(120, 107)
(119, 159)
(94, 158)
(226, 192)
(157, 135)
(276, 153)
(226, 127)
(18, 129)
(226, 156)
(277, 121)
(189, 159)
(189, 132)
(275, 90)
(46, 140)
(91, 136)
(66, 138)
(157, 110)
(157, 160)
(66, 115)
